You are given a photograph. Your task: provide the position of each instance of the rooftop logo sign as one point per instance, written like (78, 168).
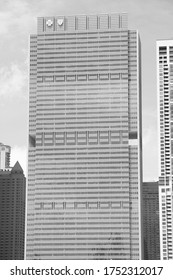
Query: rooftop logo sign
(60, 22)
(49, 22)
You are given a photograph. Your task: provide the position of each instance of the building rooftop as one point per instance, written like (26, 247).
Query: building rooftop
(17, 168)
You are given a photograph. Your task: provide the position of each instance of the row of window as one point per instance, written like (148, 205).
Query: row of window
(81, 78)
(81, 137)
(82, 205)
(113, 33)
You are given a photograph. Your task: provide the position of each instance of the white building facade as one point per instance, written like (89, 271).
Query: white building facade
(165, 111)
(85, 148)
(5, 152)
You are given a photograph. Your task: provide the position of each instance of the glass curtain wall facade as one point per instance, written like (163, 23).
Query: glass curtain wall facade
(150, 213)
(85, 153)
(165, 109)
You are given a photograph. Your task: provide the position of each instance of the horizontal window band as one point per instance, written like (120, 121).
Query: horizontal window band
(84, 77)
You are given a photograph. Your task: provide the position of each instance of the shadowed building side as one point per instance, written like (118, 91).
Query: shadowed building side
(12, 213)
(150, 195)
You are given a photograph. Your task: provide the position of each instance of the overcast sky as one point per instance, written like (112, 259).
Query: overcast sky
(152, 18)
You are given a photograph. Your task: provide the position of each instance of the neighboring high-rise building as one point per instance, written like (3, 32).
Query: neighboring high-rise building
(85, 153)
(4, 156)
(12, 213)
(165, 109)
(150, 213)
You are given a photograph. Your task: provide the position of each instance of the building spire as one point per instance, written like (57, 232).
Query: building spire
(17, 168)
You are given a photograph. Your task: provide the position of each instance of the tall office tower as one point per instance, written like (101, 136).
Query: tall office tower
(165, 109)
(12, 213)
(150, 213)
(4, 156)
(84, 167)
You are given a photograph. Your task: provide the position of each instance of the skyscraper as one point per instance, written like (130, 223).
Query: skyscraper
(150, 213)
(4, 156)
(85, 152)
(12, 213)
(165, 109)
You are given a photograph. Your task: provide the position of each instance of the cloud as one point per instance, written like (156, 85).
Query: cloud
(150, 153)
(150, 143)
(19, 154)
(150, 136)
(16, 16)
(13, 81)
(20, 15)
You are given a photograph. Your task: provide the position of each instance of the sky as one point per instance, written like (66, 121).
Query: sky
(152, 18)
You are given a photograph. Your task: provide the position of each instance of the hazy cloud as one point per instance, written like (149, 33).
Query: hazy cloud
(19, 154)
(13, 80)
(18, 19)
(16, 15)
(150, 152)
